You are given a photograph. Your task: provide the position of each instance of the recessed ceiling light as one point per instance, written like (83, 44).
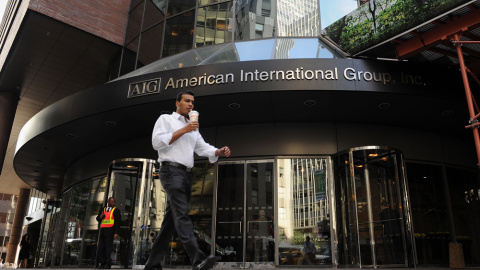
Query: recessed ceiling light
(234, 106)
(110, 123)
(384, 105)
(310, 102)
(448, 112)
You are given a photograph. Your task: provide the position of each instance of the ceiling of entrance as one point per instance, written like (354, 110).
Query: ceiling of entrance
(50, 60)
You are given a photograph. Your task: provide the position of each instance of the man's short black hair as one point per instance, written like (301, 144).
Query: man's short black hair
(189, 92)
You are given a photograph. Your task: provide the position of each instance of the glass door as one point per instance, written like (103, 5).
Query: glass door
(47, 236)
(244, 216)
(128, 182)
(372, 208)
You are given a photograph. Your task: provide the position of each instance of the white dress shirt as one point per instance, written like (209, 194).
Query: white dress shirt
(181, 151)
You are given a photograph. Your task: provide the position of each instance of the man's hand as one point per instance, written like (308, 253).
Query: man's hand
(223, 152)
(102, 216)
(115, 236)
(191, 126)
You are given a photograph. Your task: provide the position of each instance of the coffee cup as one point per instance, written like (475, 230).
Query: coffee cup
(193, 116)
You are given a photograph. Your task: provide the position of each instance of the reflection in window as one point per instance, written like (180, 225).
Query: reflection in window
(175, 7)
(213, 24)
(179, 34)
(303, 211)
(93, 206)
(161, 5)
(255, 50)
(255, 19)
(206, 2)
(225, 55)
(75, 223)
(298, 48)
(299, 19)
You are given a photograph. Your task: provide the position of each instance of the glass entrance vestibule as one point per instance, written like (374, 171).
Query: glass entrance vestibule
(350, 209)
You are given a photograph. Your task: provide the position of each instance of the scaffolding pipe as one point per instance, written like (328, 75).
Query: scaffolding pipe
(469, 95)
(466, 42)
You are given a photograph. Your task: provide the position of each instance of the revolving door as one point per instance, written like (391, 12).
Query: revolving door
(132, 182)
(372, 208)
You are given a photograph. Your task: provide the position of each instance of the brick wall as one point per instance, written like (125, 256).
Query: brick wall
(104, 18)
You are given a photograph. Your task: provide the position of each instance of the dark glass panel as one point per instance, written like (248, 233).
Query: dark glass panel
(129, 56)
(429, 213)
(178, 6)
(179, 34)
(260, 243)
(213, 24)
(464, 187)
(150, 45)
(134, 23)
(154, 14)
(255, 19)
(135, 4)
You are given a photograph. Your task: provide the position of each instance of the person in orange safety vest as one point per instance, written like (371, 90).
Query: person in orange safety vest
(109, 218)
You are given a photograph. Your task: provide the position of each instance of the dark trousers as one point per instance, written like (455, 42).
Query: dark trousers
(177, 184)
(105, 246)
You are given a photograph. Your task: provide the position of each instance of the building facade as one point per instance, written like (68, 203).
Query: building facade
(366, 157)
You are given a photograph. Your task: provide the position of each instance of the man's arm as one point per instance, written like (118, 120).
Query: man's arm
(191, 126)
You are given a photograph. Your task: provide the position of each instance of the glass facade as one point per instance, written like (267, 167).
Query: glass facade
(358, 208)
(161, 28)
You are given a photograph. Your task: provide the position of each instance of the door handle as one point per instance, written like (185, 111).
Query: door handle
(230, 222)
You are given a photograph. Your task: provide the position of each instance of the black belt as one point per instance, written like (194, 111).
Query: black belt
(178, 165)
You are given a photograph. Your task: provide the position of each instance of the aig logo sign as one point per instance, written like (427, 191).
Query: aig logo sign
(144, 88)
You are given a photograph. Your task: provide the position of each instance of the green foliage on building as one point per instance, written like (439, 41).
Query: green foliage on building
(379, 20)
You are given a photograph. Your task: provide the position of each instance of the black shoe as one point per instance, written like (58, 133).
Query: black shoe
(206, 264)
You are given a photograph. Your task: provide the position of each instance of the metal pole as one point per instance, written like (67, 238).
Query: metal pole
(468, 93)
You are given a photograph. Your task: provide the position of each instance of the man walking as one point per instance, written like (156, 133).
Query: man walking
(176, 139)
(110, 219)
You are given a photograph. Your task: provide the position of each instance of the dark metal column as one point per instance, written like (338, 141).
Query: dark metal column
(16, 233)
(8, 107)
